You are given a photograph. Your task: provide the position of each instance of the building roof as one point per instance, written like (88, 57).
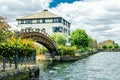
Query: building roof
(42, 14)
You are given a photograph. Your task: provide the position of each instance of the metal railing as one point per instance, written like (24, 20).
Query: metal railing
(9, 63)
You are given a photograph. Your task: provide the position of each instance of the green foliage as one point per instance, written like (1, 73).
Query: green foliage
(67, 50)
(80, 39)
(110, 46)
(4, 32)
(59, 38)
(104, 46)
(43, 50)
(116, 46)
(24, 47)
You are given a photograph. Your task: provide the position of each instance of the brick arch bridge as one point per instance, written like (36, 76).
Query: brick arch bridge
(42, 38)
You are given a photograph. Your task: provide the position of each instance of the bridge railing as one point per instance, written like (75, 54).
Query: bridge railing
(40, 31)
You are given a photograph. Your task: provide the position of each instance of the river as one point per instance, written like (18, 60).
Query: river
(100, 66)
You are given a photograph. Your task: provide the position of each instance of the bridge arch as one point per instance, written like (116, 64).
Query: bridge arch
(44, 39)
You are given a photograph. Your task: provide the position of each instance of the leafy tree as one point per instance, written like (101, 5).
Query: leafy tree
(116, 46)
(59, 38)
(104, 46)
(4, 32)
(80, 39)
(110, 46)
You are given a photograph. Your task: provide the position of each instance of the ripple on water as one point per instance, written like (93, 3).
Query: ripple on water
(101, 66)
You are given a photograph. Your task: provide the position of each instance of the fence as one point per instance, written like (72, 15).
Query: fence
(8, 63)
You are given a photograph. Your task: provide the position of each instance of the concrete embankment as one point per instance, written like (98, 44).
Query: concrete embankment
(22, 73)
(76, 57)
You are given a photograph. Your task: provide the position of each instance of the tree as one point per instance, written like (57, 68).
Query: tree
(25, 47)
(59, 38)
(4, 32)
(110, 46)
(80, 39)
(116, 46)
(104, 46)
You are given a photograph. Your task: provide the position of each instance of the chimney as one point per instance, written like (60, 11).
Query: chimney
(45, 10)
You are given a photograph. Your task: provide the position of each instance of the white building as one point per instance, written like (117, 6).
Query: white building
(44, 20)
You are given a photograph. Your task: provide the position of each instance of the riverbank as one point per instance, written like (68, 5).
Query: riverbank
(77, 56)
(22, 73)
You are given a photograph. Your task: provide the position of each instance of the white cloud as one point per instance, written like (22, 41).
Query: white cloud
(15, 8)
(100, 18)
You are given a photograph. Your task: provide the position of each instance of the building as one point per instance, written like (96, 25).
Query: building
(44, 20)
(94, 44)
(107, 42)
(110, 42)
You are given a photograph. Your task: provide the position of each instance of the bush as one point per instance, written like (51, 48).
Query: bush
(24, 47)
(67, 50)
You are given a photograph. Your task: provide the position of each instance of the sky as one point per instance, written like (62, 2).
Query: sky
(99, 18)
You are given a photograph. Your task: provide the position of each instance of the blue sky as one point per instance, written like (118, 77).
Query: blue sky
(99, 18)
(54, 3)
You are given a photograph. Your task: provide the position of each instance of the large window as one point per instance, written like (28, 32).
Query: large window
(39, 20)
(28, 21)
(43, 20)
(57, 20)
(48, 20)
(57, 29)
(22, 21)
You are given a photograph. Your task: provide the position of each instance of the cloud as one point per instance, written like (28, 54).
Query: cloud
(100, 18)
(15, 8)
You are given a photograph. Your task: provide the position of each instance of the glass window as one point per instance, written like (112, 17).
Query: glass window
(48, 20)
(54, 20)
(37, 30)
(22, 21)
(57, 29)
(29, 29)
(38, 20)
(59, 20)
(63, 22)
(28, 21)
(68, 24)
(43, 20)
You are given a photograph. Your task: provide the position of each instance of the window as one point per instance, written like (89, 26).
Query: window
(59, 20)
(28, 21)
(63, 22)
(57, 29)
(39, 20)
(54, 20)
(48, 20)
(29, 29)
(43, 20)
(37, 30)
(22, 21)
(23, 30)
(68, 24)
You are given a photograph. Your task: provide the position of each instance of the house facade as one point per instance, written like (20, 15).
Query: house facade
(44, 20)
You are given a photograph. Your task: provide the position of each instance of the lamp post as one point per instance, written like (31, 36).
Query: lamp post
(16, 52)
